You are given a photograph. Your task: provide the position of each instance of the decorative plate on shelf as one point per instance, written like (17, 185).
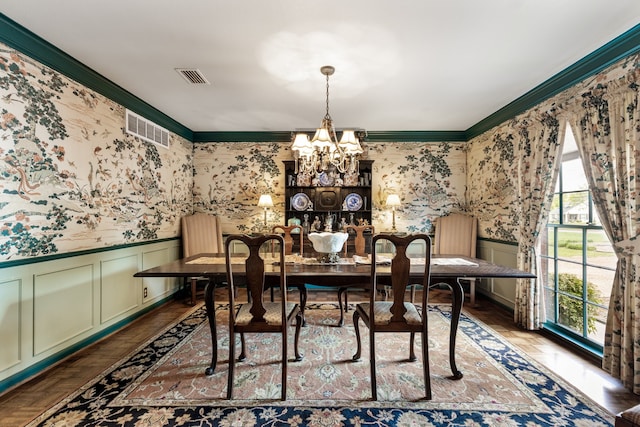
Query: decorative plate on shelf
(325, 179)
(353, 201)
(300, 202)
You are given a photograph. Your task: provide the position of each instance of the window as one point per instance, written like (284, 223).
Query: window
(578, 261)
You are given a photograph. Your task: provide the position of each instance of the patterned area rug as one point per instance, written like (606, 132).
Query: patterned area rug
(163, 382)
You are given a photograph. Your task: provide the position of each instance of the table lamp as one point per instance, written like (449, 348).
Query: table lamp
(266, 203)
(393, 201)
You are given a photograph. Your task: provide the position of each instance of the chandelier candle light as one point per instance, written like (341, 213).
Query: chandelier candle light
(393, 201)
(323, 151)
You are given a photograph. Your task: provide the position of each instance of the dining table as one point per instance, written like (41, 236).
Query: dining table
(344, 274)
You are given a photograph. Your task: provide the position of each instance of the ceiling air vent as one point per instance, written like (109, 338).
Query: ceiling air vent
(146, 130)
(193, 76)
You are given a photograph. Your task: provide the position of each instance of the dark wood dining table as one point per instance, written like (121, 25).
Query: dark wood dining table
(444, 269)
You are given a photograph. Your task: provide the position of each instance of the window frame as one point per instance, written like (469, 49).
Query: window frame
(553, 260)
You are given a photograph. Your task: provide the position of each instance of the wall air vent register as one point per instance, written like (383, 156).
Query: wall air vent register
(193, 76)
(146, 130)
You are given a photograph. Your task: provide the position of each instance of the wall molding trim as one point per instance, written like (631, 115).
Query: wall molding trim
(30, 372)
(34, 260)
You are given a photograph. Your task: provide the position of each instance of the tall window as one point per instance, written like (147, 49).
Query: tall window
(578, 262)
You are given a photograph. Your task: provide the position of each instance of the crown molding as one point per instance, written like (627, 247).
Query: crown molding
(416, 136)
(283, 136)
(16, 36)
(622, 46)
(373, 136)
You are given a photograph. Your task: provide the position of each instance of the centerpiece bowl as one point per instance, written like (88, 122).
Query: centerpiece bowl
(329, 244)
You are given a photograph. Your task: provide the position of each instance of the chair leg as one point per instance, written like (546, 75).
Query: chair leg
(243, 352)
(283, 395)
(372, 362)
(425, 366)
(343, 308)
(304, 294)
(232, 363)
(296, 339)
(356, 326)
(194, 282)
(412, 352)
(472, 292)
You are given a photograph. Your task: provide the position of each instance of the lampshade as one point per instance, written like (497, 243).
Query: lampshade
(265, 201)
(393, 200)
(349, 143)
(321, 139)
(302, 144)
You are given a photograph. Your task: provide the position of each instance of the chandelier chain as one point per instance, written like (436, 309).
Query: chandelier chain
(327, 116)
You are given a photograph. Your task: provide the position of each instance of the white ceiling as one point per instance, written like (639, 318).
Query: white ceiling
(400, 65)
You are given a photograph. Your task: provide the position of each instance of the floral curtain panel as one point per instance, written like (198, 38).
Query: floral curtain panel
(538, 150)
(607, 130)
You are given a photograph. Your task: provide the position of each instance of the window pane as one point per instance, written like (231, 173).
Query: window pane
(570, 305)
(554, 212)
(547, 273)
(569, 145)
(599, 249)
(597, 322)
(599, 283)
(575, 207)
(570, 244)
(570, 312)
(573, 178)
(595, 218)
(546, 242)
(550, 304)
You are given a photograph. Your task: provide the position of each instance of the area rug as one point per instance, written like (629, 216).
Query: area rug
(163, 382)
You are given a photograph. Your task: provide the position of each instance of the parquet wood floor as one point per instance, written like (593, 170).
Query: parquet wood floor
(21, 404)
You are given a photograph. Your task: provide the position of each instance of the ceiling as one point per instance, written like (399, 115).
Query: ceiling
(406, 65)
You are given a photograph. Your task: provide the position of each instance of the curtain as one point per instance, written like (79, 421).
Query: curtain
(538, 150)
(607, 131)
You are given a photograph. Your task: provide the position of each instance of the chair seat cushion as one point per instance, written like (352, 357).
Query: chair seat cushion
(273, 316)
(382, 312)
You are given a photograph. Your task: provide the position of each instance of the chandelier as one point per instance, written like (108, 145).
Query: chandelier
(323, 152)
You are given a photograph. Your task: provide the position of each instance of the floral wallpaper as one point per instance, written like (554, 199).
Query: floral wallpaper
(492, 193)
(430, 179)
(70, 177)
(229, 178)
(492, 188)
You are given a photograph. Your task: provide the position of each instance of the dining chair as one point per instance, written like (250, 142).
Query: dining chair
(456, 234)
(201, 233)
(359, 242)
(287, 231)
(397, 315)
(258, 315)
